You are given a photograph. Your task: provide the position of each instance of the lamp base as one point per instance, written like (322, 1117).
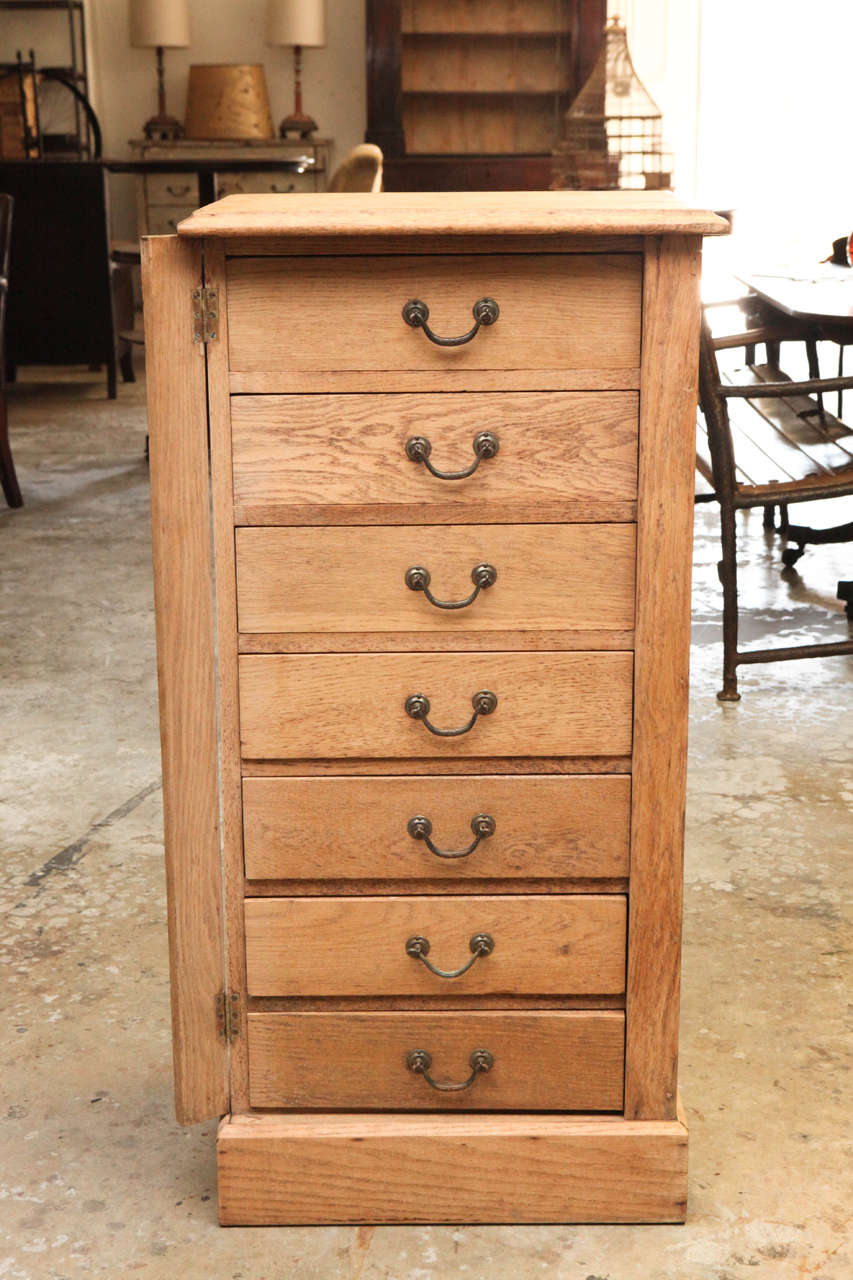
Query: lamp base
(163, 128)
(299, 124)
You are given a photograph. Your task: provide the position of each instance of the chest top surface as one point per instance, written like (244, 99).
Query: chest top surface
(480, 213)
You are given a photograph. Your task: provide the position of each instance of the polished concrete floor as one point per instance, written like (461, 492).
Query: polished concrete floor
(96, 1179)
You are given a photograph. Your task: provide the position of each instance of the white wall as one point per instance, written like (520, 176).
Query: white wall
(123, 81)
(774, 125)
(756, 102)
(663, 36)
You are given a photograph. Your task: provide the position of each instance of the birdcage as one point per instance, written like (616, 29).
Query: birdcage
(612, 132)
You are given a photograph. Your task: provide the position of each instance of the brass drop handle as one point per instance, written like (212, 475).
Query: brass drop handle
(485, 445)
(483, 576)
(419, 1062)
(418, 705)
(485, 312)
(482, 824)
(482, 944)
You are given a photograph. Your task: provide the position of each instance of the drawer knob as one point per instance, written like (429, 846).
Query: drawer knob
(416, 314)
(419, 1062)
(482, 824)
(485, 445)
(483, 576)
(482, 944)
(483, 702)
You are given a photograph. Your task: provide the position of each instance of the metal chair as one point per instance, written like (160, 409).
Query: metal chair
(8, 478)
(810, 451)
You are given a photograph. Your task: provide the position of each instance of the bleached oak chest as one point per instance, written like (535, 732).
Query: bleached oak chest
(422, 501)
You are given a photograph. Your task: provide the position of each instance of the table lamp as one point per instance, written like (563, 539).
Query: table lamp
(160, 24)
(300, 23)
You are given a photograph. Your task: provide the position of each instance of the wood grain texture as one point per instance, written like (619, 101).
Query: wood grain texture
(434, 1003)
(300, 706)
(665, 530)
(542, 1061)
(558, 766)
(356, 946)
(359, 245)
(537, 214)
(478, 17)
(406, 641)
(286, 381)
(341, 459)
(312, 314)
(432, 884)
(453, 1168)
(549, 577)
(231, 802)
(183, 595)
(561, 827)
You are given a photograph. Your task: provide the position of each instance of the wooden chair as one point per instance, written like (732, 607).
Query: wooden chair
(777, 445)
(8, 478)
(360, 171)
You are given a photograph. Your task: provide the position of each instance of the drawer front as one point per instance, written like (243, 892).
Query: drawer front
(325, 459)
(557, 311)
(163, 219)
(331, 706)
(554, 945)
(172, 188)
(272, 182)
(567, 1061)
(358, 828)
(526, 578)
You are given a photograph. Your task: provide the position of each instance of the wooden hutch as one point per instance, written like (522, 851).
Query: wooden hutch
(470, 94)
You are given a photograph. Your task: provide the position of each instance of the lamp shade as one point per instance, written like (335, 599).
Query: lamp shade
(228, 101)
(159, 23)
(301, 22)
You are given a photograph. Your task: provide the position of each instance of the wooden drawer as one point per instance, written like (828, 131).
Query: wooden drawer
(543, 945)
(163, 219)
(548, 1061)
(275, 182)
(557, 312)
(549, 578)
(357, 828)
(331, 706)
(329, 459)
(172, 188)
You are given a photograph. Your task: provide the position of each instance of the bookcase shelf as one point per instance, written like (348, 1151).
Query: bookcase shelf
(468, 79)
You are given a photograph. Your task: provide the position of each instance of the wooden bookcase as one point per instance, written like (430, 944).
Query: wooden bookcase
(469, 94)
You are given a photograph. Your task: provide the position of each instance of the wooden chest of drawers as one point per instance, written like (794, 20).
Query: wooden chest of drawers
(423, 643)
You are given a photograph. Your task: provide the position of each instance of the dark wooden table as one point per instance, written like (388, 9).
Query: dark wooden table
(822, 298)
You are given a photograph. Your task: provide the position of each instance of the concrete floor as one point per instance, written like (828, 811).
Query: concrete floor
(98, 1180)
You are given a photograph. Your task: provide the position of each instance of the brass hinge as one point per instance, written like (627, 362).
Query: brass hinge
(228, 1015)
(205, 314)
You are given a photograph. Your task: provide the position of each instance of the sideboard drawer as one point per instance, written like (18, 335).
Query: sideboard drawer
(557, 312)
(329, 459)
(315, 828)
(541, 1061)
(557, 577)
(163, 219)
(172, 188)
(544, 945)
(270, 182)
(331, 706)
